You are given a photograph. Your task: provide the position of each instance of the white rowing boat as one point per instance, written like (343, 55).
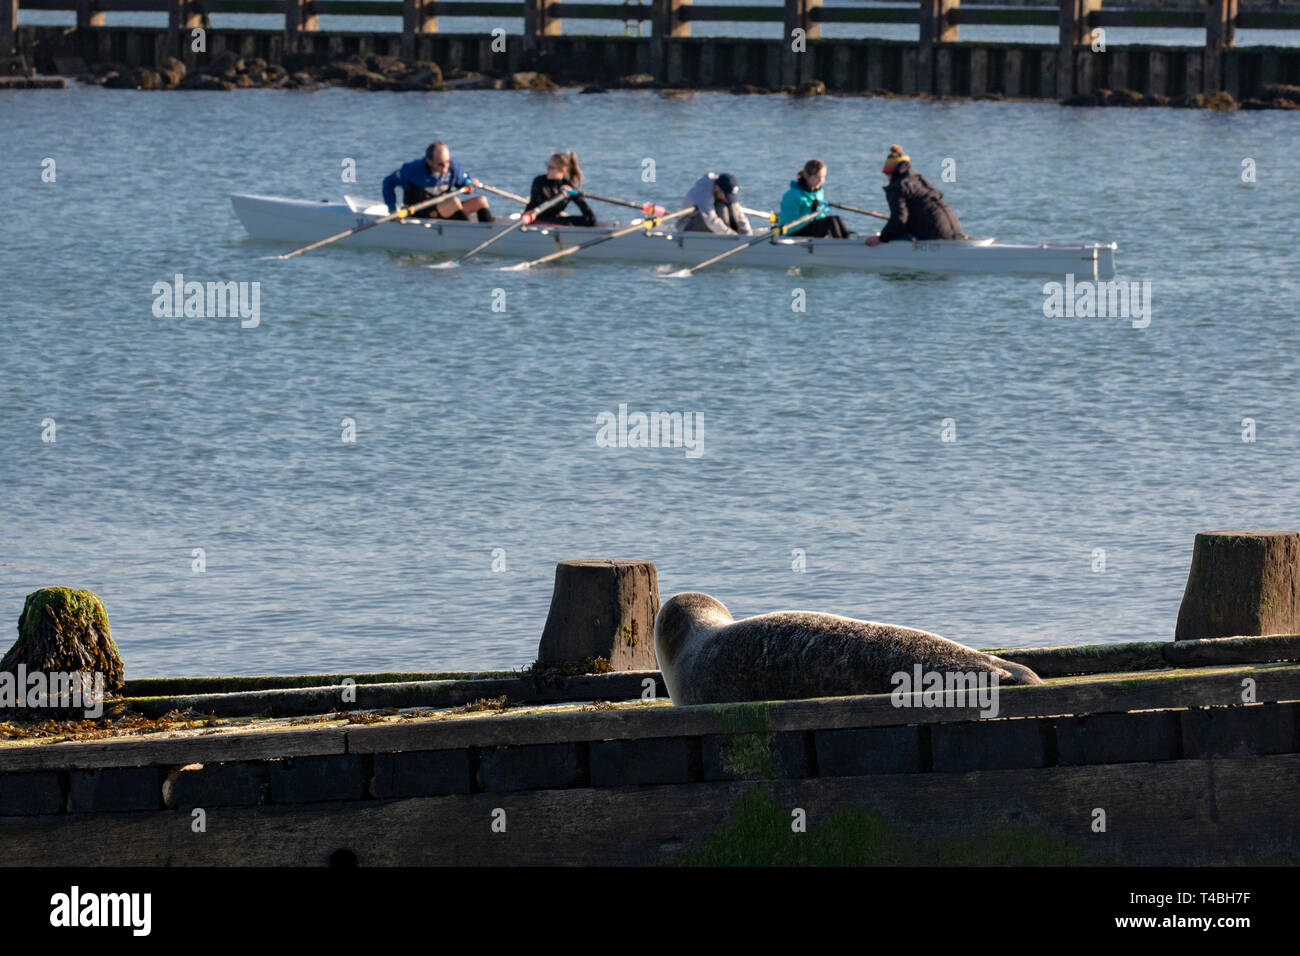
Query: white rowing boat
(299, 221)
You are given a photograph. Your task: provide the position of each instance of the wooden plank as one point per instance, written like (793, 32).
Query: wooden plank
(1145, 691)
(1194, 83)
(770, 13)
(979, 71)
(623, 685)
(1232, 650)
(176, 749)
(1012, 66)
(1233, 810)
(875, 67)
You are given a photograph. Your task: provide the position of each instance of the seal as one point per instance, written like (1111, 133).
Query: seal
(708, 657)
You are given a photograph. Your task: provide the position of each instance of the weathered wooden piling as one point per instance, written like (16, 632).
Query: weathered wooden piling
(1241, 584)
(602, 609)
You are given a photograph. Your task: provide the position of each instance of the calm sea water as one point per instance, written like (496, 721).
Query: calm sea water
(476, 429)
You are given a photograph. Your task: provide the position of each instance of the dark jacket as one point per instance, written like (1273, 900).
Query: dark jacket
(917, 209)
(547, 189)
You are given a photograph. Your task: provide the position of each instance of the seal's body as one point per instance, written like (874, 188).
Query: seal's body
(708, 657)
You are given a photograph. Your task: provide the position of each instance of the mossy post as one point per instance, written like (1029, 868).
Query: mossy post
(65, 630)
(602, 608)
(1241, 584)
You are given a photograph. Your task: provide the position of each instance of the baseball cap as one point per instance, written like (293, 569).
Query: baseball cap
(730, 188)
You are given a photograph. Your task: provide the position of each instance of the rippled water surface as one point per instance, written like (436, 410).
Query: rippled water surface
(476, 430)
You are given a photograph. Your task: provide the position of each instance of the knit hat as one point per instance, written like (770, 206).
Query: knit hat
(896, 156)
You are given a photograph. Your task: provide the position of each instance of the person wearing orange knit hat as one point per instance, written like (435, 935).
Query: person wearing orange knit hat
(916, 209)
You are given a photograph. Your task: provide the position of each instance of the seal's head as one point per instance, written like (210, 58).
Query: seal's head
(679, 616)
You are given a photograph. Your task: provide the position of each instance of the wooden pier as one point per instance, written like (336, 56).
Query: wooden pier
(937, 62)
(1162, 753)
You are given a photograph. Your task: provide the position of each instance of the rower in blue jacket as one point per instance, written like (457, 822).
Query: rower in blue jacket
(427, 178)
(805, 196)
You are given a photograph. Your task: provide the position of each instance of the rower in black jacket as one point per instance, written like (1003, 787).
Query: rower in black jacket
(916, 209)
(562, 173)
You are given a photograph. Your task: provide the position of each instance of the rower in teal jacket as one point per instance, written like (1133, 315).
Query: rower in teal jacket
(805, 196)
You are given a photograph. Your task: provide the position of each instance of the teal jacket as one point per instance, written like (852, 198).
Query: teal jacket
(798, 201)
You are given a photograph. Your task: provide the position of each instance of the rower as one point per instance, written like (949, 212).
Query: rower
(805, 196)
(916, 209)
(716, 198)
(562, 174)
(424, 179)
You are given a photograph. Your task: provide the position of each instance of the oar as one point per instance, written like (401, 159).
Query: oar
(402, 213)
(527, 217)
(501, 192)
(770, 234)
(648, 208)
(865, 212)
(647, 224)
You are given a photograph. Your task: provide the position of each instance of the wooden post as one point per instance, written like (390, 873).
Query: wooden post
(299, 18)
(602, 608)
(8, 25)
(934, 27)
(667, 22)
(539, 22)
(1075, 32)
(1241, 584)
(1220, 33)
(181, 19)
(418, 17)
(89, 14)
(795, 57)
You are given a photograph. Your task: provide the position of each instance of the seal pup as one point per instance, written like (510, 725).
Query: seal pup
(708, 657)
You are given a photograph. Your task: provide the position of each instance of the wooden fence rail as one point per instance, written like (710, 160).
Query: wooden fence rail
(937, 23)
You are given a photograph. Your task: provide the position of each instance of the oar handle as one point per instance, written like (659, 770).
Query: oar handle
(769, 216)
(501, 192)
(647, 208)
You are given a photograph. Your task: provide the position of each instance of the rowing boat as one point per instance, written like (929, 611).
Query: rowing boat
(298, 220)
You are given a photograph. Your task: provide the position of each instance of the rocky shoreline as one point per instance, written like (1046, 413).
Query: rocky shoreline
(228, 71)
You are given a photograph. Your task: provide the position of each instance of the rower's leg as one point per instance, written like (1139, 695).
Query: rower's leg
(478, 204)
(449, 208)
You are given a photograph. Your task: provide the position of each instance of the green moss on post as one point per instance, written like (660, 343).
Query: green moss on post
(65, 630)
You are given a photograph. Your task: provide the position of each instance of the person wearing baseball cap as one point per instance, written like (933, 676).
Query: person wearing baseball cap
(916, 209)
(716, 198)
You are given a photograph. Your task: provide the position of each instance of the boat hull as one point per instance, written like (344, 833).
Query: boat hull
(301, 222)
